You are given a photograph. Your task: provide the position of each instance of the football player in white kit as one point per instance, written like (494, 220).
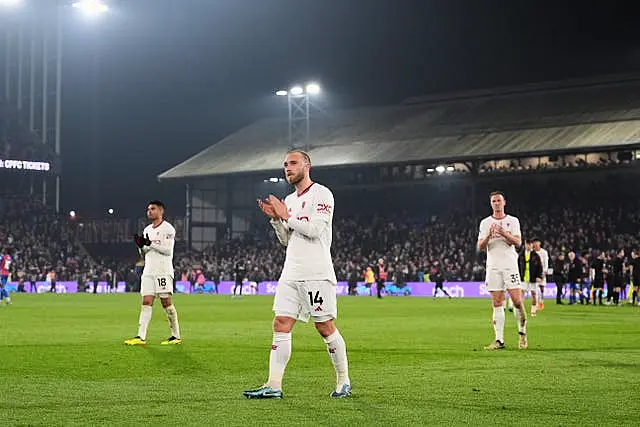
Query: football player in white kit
(156, 244)
(544, 258)
(307, 285)
(499, 235)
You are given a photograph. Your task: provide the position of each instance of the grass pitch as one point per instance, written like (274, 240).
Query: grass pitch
(413, 361)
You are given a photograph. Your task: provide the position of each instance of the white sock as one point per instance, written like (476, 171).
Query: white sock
(510, 302)
(540, 295)
(522, 320)
(338, 353)
(143, 323)
(172, 317)
(498, 323)
(278, 359)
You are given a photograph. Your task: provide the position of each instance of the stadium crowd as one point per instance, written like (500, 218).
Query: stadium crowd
(578, 215)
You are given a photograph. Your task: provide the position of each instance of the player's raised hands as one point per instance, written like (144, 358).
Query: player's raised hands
(266, 208)
(279, 207)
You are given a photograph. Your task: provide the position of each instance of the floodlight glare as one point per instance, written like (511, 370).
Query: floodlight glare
(273, 179)
(91, 7)
(296, 90)
(313, 89)
(282, 93)
(110, 211)
(440, 169)
(72, 214)
(450, 168)
(10, 3)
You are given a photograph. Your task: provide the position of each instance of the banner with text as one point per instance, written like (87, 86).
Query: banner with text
(419, 289)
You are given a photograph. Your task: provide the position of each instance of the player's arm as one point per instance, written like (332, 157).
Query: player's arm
(166, 244)
(282, 232)
(483, 236)
(513, 238)
(320, 218)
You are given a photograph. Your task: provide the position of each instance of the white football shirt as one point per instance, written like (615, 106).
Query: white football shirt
(544, 258)
(310, 232)
(500, 255)
(158, 258)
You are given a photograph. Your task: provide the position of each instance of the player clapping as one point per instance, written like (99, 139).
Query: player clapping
(499, 235)
(156, 244)
(303, 223)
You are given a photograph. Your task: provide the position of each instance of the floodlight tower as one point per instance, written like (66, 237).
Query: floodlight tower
(41, 24)
(298, 102)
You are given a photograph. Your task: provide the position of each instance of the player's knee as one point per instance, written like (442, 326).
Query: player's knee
(325, 329)
(147, 300)
(166, 302)
(283, 324)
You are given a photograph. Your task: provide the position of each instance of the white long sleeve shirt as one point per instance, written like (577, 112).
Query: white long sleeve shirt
(307, 235)
(158, 258)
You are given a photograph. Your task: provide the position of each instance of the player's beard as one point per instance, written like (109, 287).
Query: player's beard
(295, 178)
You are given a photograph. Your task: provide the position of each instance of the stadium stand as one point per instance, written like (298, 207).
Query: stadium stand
(588, 115)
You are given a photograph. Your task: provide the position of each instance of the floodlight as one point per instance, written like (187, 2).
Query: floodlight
(296, 90)
(313, 89)
(91, 7)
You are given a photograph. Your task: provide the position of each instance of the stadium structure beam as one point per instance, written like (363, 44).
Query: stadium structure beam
(298, 104)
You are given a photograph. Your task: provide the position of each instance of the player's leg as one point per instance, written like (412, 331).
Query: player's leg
(4, 295)
(287, 306)
(534, 300)
(444, 290)
(147, 290)
(322, 304)
(518, 302)
(495, 286)
(172, 318)
(540, 295)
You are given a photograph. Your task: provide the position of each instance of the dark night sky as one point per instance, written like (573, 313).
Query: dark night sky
(175, 76)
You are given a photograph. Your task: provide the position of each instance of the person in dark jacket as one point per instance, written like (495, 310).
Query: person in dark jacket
(530, 267)
(560, 276)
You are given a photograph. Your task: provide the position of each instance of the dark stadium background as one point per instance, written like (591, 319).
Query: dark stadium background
(174, 77)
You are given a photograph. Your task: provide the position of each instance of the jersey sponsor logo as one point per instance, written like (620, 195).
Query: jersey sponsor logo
(303, 218)
(324, 208)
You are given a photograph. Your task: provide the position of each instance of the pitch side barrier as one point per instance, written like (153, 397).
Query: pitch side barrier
(415, 289)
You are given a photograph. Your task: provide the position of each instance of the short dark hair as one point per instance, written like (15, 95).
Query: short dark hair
(303, 153)
(157, 203)
(536, 239)
(497, 193)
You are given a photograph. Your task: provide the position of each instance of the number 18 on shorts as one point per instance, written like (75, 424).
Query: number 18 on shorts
(156, 285)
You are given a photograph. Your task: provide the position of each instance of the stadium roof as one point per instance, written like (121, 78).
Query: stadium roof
(555, 117)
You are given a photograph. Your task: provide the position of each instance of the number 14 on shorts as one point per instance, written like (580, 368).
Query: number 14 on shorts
(315, 298)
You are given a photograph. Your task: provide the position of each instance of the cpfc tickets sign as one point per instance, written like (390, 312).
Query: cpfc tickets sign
(416, 289)
(25, 165)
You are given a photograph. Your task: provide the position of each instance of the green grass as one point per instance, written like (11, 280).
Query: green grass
(413, 361)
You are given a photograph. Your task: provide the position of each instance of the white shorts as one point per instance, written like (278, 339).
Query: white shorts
(530, 287)
(301, 300)
(161, 286)
(502, 280)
